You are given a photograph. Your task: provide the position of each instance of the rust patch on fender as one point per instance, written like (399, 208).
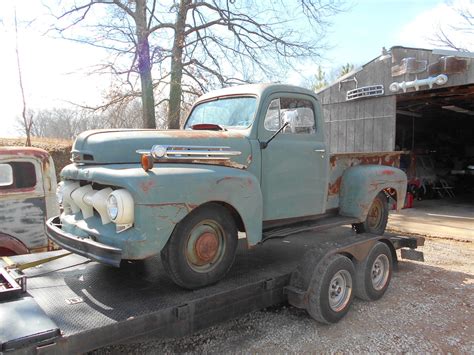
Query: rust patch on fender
(147, 185)
(388, 172)
(334, 188)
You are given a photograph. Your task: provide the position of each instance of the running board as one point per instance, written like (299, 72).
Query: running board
(314, 225)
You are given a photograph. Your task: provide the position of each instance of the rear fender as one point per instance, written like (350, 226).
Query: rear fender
(13, 244)
(360, 184)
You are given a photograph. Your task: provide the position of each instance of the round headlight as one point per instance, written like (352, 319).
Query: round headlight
(112, 207)
(158, 151)
(60, 193)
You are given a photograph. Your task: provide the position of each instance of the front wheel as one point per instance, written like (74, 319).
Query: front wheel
(331, 292)
(377, 217)
(202, 247)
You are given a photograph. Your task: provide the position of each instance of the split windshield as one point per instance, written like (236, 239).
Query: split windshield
(233, 113)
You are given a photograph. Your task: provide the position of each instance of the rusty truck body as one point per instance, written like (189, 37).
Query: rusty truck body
(27, 199)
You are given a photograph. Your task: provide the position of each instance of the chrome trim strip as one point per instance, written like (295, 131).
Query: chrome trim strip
(193, 152)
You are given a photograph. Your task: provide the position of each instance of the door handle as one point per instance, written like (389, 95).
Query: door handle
(320, 150)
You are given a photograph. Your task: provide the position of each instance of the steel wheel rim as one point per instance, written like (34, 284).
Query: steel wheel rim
(374, 217)
(340, 290)
(380, 271)
(205, 246)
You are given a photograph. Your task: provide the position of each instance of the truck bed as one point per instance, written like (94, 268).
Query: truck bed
(339, 162)
(94, 305)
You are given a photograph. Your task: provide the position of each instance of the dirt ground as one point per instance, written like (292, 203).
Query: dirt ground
(427, 308)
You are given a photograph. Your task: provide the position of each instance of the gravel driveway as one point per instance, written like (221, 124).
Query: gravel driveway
(428, 308)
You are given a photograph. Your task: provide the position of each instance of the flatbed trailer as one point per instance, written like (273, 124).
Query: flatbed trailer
(74, 305)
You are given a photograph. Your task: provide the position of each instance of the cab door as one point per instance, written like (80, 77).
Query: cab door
(22, 206)
(295, 162)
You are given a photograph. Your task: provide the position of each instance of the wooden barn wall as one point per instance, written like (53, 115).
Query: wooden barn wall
(361, 126)
(369, 124)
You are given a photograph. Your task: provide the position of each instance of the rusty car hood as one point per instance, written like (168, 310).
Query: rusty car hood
(120, 145)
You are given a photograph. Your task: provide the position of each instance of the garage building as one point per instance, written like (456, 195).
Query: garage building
(409, 99)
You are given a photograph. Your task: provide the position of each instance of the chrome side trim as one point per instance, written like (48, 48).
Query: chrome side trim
(192, 152)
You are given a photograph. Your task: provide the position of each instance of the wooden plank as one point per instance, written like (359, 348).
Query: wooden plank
(358, 129)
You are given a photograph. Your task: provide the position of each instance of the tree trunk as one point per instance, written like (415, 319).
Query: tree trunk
(174, 111)
(144, 66)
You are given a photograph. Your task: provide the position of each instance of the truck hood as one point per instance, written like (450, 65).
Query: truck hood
(120, 146)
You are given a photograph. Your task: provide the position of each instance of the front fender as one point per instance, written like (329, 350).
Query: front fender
(360, 184)
(183, 188)
(167, 193)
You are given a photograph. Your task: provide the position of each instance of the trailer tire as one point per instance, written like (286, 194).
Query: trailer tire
(377, 217)
(331, 290)
(202, 247)
(373, 274)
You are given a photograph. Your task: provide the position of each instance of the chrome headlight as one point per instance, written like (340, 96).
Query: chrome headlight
(112, 207)
(120, 207)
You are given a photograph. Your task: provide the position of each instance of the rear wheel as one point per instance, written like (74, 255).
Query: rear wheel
(6, 252)
(202, 248)
(374, 273)
(331, 292)
(377, 217)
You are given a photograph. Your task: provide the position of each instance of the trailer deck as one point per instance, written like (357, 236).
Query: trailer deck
(93, 305)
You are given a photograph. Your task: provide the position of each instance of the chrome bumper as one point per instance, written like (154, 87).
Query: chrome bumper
(82, 246)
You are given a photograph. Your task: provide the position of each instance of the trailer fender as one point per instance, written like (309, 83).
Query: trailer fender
(360, 184)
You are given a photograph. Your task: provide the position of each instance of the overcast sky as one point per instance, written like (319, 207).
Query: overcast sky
(54, 70)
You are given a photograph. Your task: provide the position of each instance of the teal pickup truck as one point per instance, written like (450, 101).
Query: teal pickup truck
(250, 159)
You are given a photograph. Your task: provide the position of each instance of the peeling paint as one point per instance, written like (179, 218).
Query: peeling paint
(24, 220)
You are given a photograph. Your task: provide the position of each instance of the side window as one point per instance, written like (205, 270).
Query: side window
(299, 114)
(272, 118)
(24, 176)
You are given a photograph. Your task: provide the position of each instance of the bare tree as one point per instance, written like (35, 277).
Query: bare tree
(27, 116)
(465, 26)
(193, 46)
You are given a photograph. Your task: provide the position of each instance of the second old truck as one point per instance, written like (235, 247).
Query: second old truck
(250, 159)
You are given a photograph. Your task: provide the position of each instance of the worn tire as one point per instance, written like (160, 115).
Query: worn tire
(324, 305)
(374, 273)
(202, 247)
(377, 217)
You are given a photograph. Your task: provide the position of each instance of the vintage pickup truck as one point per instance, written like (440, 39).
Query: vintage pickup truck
(27, 199)
(250, 159)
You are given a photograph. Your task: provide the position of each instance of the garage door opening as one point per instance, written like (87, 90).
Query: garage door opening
(437, 128)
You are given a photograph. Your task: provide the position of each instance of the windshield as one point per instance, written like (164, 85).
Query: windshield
(235, 112)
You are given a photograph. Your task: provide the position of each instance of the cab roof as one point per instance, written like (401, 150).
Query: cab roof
(260, 90)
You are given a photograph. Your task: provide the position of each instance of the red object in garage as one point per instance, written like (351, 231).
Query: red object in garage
(408, 202)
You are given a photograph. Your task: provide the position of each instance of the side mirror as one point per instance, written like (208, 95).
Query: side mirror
(6, 175)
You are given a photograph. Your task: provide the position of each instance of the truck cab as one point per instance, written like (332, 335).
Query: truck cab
(27, 199)
(250, 158)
